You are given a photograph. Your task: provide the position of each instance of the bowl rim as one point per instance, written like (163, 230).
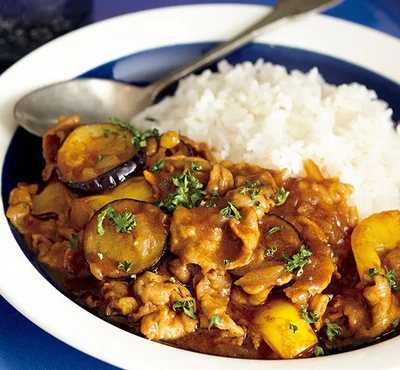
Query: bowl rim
(95, 45)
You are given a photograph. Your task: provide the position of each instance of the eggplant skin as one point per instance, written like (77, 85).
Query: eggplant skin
(110, 179)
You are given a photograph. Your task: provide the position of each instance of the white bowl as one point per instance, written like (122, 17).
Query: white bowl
(71, 55)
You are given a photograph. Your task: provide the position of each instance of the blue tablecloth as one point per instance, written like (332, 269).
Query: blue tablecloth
(25, 346)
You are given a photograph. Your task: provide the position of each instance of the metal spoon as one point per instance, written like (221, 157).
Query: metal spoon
(95, 100)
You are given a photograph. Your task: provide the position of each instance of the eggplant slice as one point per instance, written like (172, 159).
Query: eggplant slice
(278, 237)
(97, 157)
(114, 252)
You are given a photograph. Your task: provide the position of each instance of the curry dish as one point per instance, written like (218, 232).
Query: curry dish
(151, 233)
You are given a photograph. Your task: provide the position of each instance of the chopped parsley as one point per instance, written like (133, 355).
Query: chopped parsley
(297, 261)
(139, 138)
(330, 296)
(310, 278)
(124, 266)
(187, 193)
(332, 330)
(215, 320)
(74, 243)
(391, 276)
(159, 165)
(373, 272)
(281, 197)
(100, 157)
(196, 167)
(249, 189)
(309, 317)
(274, 230)
(226, 262)
(172, 280)
(107, 132)
(100, 255)
(395, 322)
(293, 327)
(133, 276)
(318, 351)
(270, 252)
(231, 211)
(123, 222)
(186, 306)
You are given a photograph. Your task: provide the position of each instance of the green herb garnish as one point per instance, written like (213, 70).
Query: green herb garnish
(293, 327)
(274, 230)
(159, 165)
(231, 211)
(249, 189)
(270, 252)
(74, 243)
(281, 197)
(123, 222)
(373, 272)
(297, 261)
(125, 266)
(318, 351)
(309, 317)
(332, 330)
(226, 262)
(392, 278)
(139, 138)
(172, 280)
(186, 306)
(395, 322)
(100, 157)
(196, 167)
(215, 320)
(100, 255)
(187, 193)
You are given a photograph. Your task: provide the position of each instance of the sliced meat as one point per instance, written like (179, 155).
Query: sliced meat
(159, 321)
(373, 315)
(213, 291)
(258, 283)
(211, 244)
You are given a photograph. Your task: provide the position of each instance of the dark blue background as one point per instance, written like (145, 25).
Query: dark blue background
(22, 344)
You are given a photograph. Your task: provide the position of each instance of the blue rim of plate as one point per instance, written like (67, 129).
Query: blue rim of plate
(146, 66)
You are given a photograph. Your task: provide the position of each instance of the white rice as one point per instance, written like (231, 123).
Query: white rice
(262, 114)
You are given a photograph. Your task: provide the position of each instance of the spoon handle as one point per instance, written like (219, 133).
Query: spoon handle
(282, 9)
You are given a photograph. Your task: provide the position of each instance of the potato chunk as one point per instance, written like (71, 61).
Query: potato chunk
(283, 329)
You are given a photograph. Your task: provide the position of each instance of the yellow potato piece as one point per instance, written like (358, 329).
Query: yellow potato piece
(371, 237)
(283, 329)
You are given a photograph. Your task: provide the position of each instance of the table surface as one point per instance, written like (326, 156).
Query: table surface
(23, 345)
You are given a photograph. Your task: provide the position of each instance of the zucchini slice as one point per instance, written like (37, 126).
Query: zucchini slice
(125, 237)
(97, 157)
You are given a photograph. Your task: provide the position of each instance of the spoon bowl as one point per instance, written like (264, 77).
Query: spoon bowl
(94, 99)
